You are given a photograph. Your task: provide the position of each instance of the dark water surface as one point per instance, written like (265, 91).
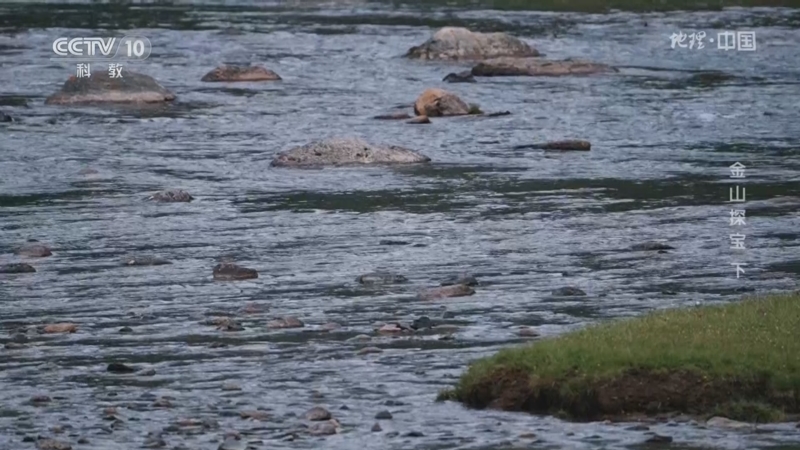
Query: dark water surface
(525, 222)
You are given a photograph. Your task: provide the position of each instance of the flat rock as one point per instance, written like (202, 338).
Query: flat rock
(565, 145)
(508, 66)
(419, 120)
(650, 246)
(255, 415)
(438, 103)
(380, 278)
(144, 260)
(317, 413)
(456, 43)
(231, 73)
(455, 290)
(286, 322)
(724, 422)
(132, 87)
(171, 196)
(460, 77)
(17, 268)
(346, 151)
(65, 327)
(229, 271)
(568, 291)
(393, 116)
(33, 249)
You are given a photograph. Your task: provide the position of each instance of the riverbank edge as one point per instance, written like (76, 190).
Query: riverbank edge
(700, 362)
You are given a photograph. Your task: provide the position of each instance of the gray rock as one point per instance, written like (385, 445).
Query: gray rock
(120, 368)
(724, 422)
(5, 117)
(145, 260)
(506, 66)
(380, 278)
(460, 77)
(440, 103)
(464, 278)
(228, 271)
(317, 413)
(650, 246)
(230, 73)
(52, 444)
(659, 439)
(456, 290)
(323, 428)
(286, 322)
(568, 291)
(455, 43)
(33, 249)
(376, 428)
(16, 268)
(171, 196)
(346, 151)
(369, 351)
(132, 87)
(421, 323)
(383, 415)
(565, 145)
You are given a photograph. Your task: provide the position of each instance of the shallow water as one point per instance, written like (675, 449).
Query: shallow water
(524, 222)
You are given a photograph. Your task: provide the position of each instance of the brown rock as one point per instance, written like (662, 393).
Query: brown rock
(132, 87)
(455, 43)
(228, 271)
(438, 102)
(455, 290)
(569, 144)
(33, 249)
(240, 73)
(533, 67)
(528, 332)
(369, 351)
(259, 415)
(393, 116)
(419, 120)
(65, 327)
(317, 413)
(286, 322)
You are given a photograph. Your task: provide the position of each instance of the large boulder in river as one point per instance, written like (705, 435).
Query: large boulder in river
(240, 73)
(438, 102)
(454, 43)
(346, 151)
(131, 87)
(498, 67)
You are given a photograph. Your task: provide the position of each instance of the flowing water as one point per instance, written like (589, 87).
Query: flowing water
(664, 131)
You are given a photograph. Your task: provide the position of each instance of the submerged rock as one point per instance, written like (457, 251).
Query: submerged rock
(463, 278)
(286, 322)
(460, 77)
(240, 73)
(659, 439)
(651, 245)
(132, 87)
(498, 67)
(380, 278)
(5, 117)
(144, 260)
(528, 332)
(455, 290)
(438, 103)
(456, 43)
(568, 291)
(346, 151)
(171, 196)
(393, 116)
(17, 268)
(317, 413)
(120, 368)
(569, 144)
(228, 271)
(33, 249)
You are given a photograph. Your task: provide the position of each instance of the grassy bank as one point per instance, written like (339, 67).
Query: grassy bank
(740, 360)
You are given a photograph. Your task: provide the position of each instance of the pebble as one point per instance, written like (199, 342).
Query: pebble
(17, 268)
(162, 402)
(414, 434)
(317, 414)
(724, 422)
(376, 428)
(393, 403)
(383, 415)
(390, 328)
(330, 326)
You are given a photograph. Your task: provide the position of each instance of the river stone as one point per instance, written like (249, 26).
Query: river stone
(438, 103)
(240, 73)
(52, 444)
(16, 268)
(463, 278)
(171, 196)
(33, 249)
(346, 151)
(533, 67)
(286, 322)
(659, 439)
(383, 415)
(65, 327)
(376, 428)
(379, 278)
(317, 413)
(565, 145)
(228, 271)
(132, 87)
(422, 323)
(455, 290)
(724, 422)
(456, 43)
(257, 414)
(145, 260)
(460, 77)
(568, 291)
(651, 245)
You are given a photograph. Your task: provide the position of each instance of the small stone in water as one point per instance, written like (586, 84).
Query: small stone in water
(39, 399)
(369, 350)
(377, 427)
(60, 328)
(528, 332)
(568, 291)
(383, 415)
(255, 415)
(323, 428)
(286, 322)
(414, 434)
(126, 330)
(120, 368)
(317, 413)
(659, 439)
(231, 387)
(52, 444)
(162, 402)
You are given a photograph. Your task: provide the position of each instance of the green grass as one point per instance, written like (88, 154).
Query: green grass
(747, 353)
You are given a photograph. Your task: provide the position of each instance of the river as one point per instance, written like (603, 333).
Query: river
(664, 131)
